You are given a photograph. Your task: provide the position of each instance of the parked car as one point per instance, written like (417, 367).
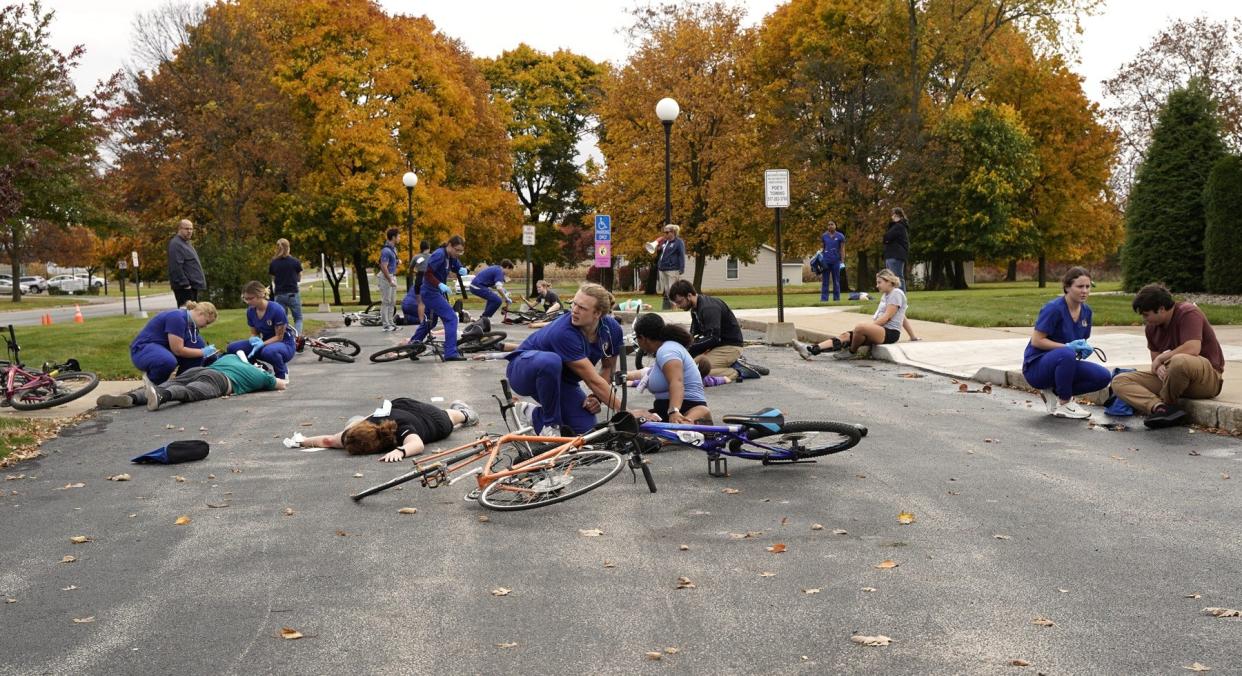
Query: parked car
(6, 286)
(94, 281)
(67, 283)
(36, 283)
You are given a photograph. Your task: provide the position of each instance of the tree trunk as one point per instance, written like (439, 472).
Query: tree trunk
(845, 280)
(959, 275)
(1011, 273)
(14, 257)
(360, 275)
(700, 261)
(935, 276)
(864, 269)
(649, 284)
(536, 273)
(1043, 270)
(333, 278)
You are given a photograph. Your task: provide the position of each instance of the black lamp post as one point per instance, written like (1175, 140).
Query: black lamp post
(410, 179)
(667, 110)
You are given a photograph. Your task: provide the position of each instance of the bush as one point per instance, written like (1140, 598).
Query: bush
(1222, 243)
(1164, 218)
(228, 265)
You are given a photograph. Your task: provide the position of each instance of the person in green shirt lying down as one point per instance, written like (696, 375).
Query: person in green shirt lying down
(230, 374)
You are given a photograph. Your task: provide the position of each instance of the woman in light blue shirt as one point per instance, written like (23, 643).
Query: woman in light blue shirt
(674, 381)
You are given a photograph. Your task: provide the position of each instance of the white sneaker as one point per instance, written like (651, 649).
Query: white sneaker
(472, 418)
(1070, 409)
(1050, 400)
(802, 350)
(524, 411)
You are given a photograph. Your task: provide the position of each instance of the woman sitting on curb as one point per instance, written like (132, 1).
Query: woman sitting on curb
(883, 329)
(1052, 362)
(399, 429)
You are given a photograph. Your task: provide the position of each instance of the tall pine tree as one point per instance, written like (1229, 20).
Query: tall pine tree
(1165, 221)
(1222, 245)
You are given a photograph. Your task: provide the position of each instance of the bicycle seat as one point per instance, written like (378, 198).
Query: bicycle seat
(767, 420)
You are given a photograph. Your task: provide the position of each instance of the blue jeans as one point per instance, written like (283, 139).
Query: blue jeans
(436, 305)
(898, 266)
(493, 299)
(159, 363)
(1060, 370)
(537, 374)
(277, 354)
(832, 272)
(292, 303)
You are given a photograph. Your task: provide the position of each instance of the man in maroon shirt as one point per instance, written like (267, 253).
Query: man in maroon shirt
(1186, 359)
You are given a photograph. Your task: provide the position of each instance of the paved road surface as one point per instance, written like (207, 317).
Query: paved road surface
(1019, 516)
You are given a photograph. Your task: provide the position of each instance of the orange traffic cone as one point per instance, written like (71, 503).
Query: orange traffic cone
(47, 319)
(77, 315)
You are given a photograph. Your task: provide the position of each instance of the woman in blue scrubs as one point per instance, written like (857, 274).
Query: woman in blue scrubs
(270, 337)
(444, 261)
(550, 363)
(485, 284)
(171, 342)
(1051, 364)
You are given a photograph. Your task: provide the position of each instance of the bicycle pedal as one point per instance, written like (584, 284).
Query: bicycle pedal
(718, 467)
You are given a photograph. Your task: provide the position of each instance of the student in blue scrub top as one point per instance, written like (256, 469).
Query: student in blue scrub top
(171, 342)
(485, 283)
(1051, 363)
(550, 363)
(270, 337)
(832, 256)
(443, 262)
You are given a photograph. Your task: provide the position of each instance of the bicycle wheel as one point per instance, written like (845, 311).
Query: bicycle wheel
(813, 439)
(482, 342)
(403, 351)
(63, 387)
(340, 349)
(346, 345)
(569, 476)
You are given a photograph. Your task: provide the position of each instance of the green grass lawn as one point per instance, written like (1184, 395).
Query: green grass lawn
(16, 434)
(102, 345)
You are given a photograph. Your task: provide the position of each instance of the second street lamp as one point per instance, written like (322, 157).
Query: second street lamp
(410, 179)
(667, 110)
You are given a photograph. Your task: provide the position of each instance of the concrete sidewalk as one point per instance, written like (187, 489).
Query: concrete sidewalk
(995, 355)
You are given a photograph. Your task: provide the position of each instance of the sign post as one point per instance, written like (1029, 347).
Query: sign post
(122, 265)
(528, 240)
(603, 243)
(776, 196)
(137, 281)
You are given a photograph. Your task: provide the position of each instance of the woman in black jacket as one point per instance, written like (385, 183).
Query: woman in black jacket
(897, 244)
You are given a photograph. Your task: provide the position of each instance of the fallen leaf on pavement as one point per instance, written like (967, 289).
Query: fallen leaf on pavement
(179, 479)
(909, 375)
(119, 477)
(69, 588)
(655, 655)
(905, 518)
(747, 534)
(182, 521)
(1019, 663)
(886, 564)
(1193, 596)
(767, 574)
(869, 589)
(288, 511)
(290, 634)
(990, 440)
(79, 539)
(871, 641)
(408, 510)
(810, 591)
(671, 651)
(308, 424)
(986, 389)
(684, 548)
(218, 505)
(69, 559)
(998, 536)
(73, 485)
(729, 491)
(590, 532)
(840, 531)
(483, 518)
(507, 645)
(1195, 666)
(1223, 612)
(1224, 476)
(10, 600)
(14, 477)
(778, 548)
(817, 526)
(84, 620)
(684, 583)
(963, 388)
(211, 477)
(1043, 622)
(357, 475)
(342, 533)
(1063, 591)
(609, 564)
(501, 591)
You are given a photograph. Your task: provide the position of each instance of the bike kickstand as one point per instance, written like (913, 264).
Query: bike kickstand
(717, 466)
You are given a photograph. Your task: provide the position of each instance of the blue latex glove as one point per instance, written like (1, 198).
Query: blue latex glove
(842, 265)
(444, 289)
(209, 350)
(256, 344)
(463, 271)
(1081, 347)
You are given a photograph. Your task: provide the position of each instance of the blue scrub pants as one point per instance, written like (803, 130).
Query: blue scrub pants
(276, 354)
(537, 375)
(436, 305)
(832, 272)
(1065, 374)
(493, 299)
(159, 363)
(409, 308)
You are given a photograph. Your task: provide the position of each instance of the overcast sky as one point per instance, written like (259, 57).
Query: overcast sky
(591, 27)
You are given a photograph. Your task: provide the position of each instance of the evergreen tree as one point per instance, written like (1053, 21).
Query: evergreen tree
(1164, 219)
(1222, 243)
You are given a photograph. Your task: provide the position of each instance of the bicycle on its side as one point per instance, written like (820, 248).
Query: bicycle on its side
(55, 384)
(335, 348)
(764, 436)
(475, 337)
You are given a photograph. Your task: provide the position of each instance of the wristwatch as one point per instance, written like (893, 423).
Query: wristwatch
(672, 411)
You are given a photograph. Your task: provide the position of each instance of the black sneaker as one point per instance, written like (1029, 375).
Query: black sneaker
(1168, 416)
(745, 371)
(299, 344)
(757, 368)
(114, 401)
(456, 357)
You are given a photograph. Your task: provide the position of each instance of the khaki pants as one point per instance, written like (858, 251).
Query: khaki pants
(667, 278)
(721, 359)
(1188, 377)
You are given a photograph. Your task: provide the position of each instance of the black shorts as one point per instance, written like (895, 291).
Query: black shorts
(660, 407)
(891, 335)
(418, 282)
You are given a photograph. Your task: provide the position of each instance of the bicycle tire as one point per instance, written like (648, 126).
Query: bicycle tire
(482, 342)
(86, 380)
(838, 437)
(398, 352)
(550, 485)
(348, 346)
(334, 355)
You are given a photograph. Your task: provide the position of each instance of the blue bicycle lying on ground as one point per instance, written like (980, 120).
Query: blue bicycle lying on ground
(764, 436)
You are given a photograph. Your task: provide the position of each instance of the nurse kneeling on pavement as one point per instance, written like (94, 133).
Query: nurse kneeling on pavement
(1051, 363)
(550, 363)
(170, 341)
(270, 339)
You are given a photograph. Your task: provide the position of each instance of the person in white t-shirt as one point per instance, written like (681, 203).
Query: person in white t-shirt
(884, 328)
